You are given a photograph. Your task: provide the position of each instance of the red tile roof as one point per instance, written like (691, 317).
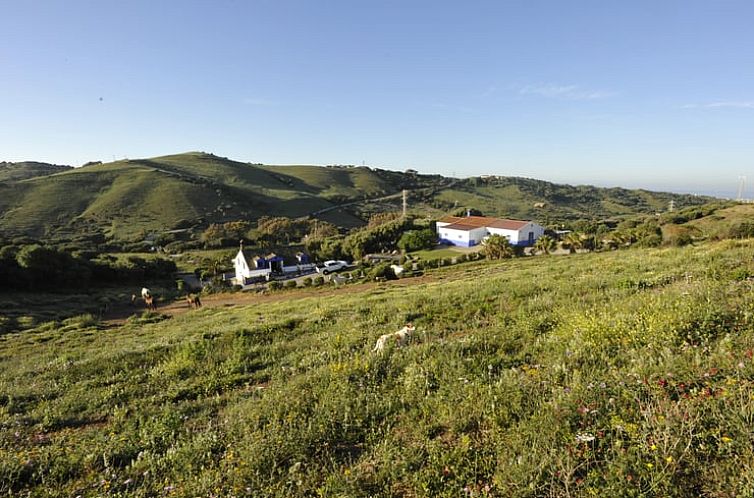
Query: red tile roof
(483, 221)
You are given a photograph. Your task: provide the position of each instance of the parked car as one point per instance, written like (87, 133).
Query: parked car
(331, 266)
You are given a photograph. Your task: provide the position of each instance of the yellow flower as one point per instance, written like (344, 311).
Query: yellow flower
(653, 447)
(649, 465)
(726, 439)
(669, 459)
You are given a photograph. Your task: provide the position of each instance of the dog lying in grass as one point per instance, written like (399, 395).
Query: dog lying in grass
(400, 338)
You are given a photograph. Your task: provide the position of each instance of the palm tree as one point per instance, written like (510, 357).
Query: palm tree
(545, 244)
(498, 247)
(572, 241)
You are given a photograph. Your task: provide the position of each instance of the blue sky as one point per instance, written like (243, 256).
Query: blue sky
(639, 94)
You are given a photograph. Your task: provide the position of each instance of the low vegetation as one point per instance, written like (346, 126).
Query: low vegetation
(621, 373)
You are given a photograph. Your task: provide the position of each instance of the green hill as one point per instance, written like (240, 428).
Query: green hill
(13, 172)
(124, 200)
(624, 373)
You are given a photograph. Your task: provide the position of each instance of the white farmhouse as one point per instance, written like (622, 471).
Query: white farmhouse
(471, 230)
(248, 268)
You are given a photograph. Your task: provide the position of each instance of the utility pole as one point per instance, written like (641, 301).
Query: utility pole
(741, 187)
(405, 202)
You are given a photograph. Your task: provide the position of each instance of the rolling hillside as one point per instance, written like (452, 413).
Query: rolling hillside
(623, 373)
(123, 200)
(12, 172)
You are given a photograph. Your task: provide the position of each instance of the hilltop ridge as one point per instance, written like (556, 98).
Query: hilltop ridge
(123, 200)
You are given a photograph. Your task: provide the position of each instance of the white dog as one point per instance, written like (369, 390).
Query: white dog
(400, 338)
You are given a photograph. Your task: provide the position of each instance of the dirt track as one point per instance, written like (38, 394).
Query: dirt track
(118, 315)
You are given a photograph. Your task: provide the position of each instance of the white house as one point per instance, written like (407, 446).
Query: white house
(248, 268)
(471, 230)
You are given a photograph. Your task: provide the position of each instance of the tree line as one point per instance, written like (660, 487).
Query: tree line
(38, 267)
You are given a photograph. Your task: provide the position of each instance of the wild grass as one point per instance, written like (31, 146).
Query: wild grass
(614, 374)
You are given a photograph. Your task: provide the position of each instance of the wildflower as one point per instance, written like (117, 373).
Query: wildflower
(653, 447)
(726, 439)
(584, 437)
(649, 466)
(669, 459)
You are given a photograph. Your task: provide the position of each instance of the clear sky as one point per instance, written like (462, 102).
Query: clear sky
(657, 94)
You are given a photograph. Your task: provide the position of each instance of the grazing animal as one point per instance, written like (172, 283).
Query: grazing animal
(145, 293)
(149, 301)
(193, 301)
(401, 337)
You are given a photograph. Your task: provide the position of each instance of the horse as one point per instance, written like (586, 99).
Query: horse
(193, 301)
(149, 302)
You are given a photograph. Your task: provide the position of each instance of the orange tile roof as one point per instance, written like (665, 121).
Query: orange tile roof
(462, 226)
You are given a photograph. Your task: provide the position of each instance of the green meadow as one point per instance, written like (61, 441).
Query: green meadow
(625, 373)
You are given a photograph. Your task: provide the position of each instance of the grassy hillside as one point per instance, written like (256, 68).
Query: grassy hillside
(125, 199)
(626, 373)
(13, 172)
(526, 198)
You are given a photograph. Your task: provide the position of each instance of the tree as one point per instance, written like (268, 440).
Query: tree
(498, 247)
(415, 240)
(572, 242)
(545, 244)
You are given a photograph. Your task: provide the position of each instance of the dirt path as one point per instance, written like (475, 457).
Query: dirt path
(116, 316)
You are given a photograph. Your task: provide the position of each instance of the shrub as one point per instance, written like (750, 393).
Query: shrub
(290, 284)
(317, 281)
(415, 240)
(383, 270)
(275, 285)
(307, 282)
(680, 239)
(743, 230)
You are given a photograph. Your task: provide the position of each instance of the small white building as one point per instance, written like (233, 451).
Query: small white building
(470, 231)
(248, 268)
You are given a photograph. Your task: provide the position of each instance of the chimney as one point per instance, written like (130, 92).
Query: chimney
(241, 244)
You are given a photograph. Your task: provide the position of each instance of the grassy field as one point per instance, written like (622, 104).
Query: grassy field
(627, 373)
(438, 252)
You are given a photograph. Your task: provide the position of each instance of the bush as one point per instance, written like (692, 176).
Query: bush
(290, 284)
(681, 239)
(743, 230)
(275, 285)
(318, 281)
(382, 271)
(307, 282)
(416, 240)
